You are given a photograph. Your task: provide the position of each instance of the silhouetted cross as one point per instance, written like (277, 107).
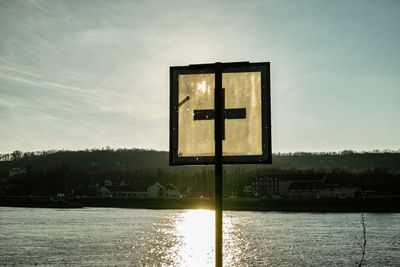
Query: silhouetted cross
(209, 114)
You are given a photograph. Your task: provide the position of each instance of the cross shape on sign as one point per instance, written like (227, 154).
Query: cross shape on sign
(209, 114)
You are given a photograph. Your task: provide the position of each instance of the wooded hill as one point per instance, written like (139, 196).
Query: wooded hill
(80, 172)
(131, 159)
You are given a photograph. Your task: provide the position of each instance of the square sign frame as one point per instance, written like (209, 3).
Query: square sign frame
(234, 67)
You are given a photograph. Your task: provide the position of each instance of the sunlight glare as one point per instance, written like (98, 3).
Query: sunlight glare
(201, 87)
(196, 229)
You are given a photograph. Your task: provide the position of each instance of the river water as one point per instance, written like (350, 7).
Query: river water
(139, 237)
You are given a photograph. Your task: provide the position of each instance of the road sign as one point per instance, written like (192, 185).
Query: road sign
(220, 113)
(246, 120)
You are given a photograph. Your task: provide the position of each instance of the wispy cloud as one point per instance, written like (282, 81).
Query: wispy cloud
(83, 73)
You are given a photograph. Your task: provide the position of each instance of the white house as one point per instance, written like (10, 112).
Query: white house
(171, 191)
(123, 190)
(156, 190)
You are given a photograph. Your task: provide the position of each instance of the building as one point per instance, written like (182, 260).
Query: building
(265, 187)
(317, 190)
(304, 190)
(158, 190)
(271, 187)
(285, 184)
(120, 189)
(128, 191)
(172, 191)
(339, 191)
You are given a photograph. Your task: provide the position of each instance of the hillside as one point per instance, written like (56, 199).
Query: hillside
(131, 159)
(81, 172)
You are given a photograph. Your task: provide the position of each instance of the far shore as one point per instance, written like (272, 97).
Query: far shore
(237, 204)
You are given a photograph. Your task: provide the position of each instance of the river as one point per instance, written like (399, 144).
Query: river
(140, 237)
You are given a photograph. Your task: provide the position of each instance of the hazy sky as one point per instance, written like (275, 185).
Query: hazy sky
(87, 74)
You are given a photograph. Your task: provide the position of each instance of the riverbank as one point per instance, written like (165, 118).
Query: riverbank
(287, 205)
(37, 202)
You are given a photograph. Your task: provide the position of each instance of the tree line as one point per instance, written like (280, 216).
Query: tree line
(80, 172)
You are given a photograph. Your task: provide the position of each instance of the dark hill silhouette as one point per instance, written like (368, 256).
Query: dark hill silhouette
(81, 172)
(130, 159)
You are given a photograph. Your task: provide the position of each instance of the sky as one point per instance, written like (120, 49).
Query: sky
(92, 74)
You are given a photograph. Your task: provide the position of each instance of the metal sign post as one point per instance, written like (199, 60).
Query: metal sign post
(218, 126)
(197, 98)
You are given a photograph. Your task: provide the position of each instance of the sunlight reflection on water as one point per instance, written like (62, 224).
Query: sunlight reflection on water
(196, 234)
(195, 231)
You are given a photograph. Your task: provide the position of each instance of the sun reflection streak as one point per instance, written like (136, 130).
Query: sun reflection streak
(195, 229)
(195, 232)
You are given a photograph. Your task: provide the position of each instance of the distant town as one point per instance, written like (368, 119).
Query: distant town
(145, 174)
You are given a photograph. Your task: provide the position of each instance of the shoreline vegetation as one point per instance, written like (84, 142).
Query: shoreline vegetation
(387, 205)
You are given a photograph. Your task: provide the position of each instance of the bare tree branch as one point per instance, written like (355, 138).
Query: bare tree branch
(363, 246)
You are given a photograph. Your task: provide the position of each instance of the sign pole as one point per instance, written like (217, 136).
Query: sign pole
(249, 87)
(218, 131)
